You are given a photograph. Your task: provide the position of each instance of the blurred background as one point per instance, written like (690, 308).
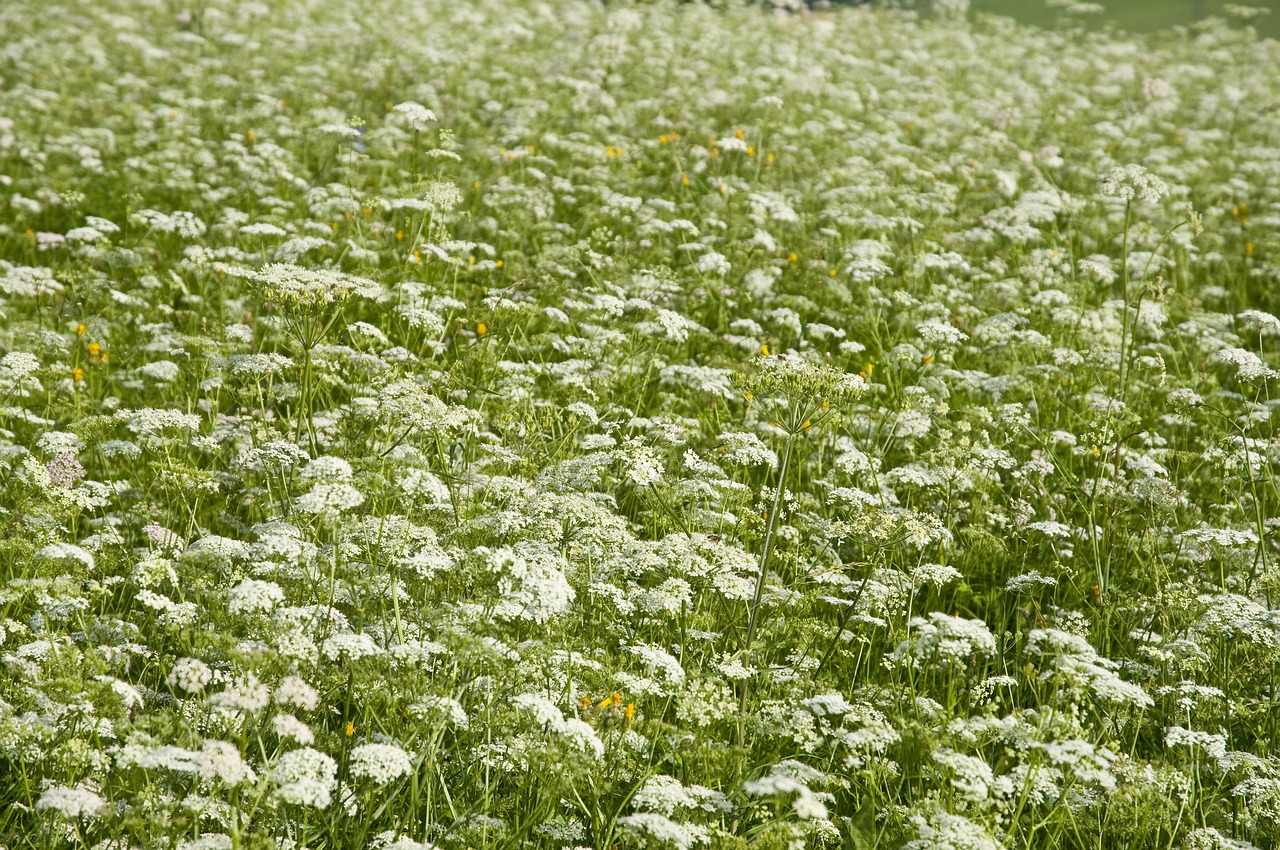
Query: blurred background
(1136, 15)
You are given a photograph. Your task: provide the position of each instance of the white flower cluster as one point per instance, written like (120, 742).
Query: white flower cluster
(576, 734)
(381, 764)
(1134, 181)
(71, 802)
(297, 288)
(945, 641)
(305, 777)
(253, 596)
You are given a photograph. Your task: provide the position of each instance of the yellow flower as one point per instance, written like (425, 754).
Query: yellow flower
(764, 349)
(351, 728)
(94, 349)
(77, 375)
(481, 329)
(81, 328)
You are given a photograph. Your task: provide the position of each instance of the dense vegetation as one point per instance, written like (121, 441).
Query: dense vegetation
(503, 424)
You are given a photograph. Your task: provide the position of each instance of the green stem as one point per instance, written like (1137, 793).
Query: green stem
(755, 602)
(768, 544)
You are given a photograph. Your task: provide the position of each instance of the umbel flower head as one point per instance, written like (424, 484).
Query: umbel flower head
(797, 393)
(309, 290)
(1134, 181)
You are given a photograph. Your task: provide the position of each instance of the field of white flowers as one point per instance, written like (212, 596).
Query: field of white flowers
(504, 424)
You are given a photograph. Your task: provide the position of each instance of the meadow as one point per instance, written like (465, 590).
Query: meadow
(575, 425)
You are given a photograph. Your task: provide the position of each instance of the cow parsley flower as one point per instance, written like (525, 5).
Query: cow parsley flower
(305, 777)
(293, 691)
(413, 115)
(945, 640)
(291, 728)
(661, 829)
(190, 674)
(71, 802)
(297, 288)
(253, 596)
(1134, 181)
(380, 763)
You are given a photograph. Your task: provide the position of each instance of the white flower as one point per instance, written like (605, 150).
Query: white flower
(163, 371)
(329, 499)
(70, 802)
(747, 449)
(663, 794)
(945, 640)
(222, 760)
(380, 763)
(1214, 745)
(354, 646)
(713, 263)
(305, 777)
(150, 420)
(289, 727)
(414, 115)
(326, 469)
(1133, 181)
(246, 694)
(531, 582)
(944, 831)
(252, 596)
(1249, 366)
(309, 289)
(578, 734)
(971, 776)
(293, 691)
(190, 675)
(683, 836)
(642, 464)
(66, 553)
(940, 334)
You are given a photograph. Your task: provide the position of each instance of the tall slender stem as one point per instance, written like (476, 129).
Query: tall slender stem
(768, 544)
(755, 602)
